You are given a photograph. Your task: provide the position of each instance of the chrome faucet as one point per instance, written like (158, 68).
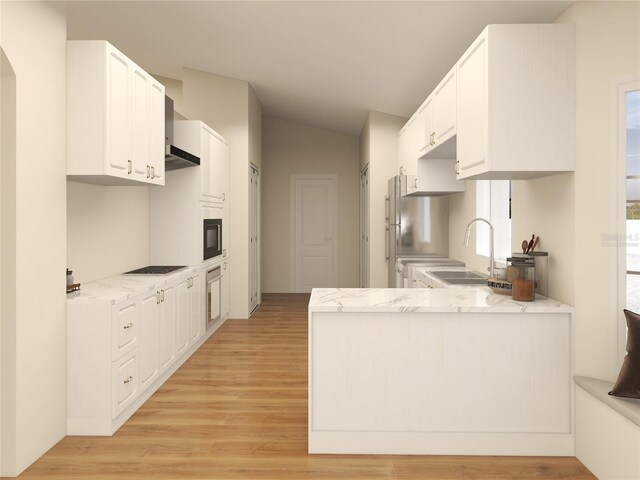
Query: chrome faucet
(467, 234)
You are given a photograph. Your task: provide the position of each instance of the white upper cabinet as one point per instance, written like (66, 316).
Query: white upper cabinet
(115, 117)
(408, 147)
(437, 120)
(516, 103)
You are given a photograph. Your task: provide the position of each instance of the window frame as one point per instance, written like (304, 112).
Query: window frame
(482, 230)
(623, 87)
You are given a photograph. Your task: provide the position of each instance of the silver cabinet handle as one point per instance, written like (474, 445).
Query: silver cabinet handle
(148, 171)
(129, 167)
(386, 208)
(157, 297)
(457, 167)
(128, 379)
(224, 266)
(128, 326)
(386, 244)
(224, 252)
(153, 172)
(223, 197)
(162, 295)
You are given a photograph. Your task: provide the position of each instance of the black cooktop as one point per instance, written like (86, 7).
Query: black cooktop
(154, 270)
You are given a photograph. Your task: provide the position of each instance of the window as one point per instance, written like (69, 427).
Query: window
(628, 238)
(493, 202)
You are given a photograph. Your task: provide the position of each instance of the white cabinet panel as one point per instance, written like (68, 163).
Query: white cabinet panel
(166, 327)
(115, 117)
(183, 318)
(224, 290)
(473, 109)
(125, 320)
(118, 103)
(197, 318)
(149, 339)
(444, 109)
(126, 382)
(425, 126)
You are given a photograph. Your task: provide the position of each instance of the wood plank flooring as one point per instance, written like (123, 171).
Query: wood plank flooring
(237, 409)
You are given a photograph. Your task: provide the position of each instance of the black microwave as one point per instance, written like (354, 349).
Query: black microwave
(212, 238)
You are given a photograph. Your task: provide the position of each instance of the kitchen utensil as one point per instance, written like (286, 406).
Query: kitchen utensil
(530, 245)
(525, 244)
(535, 244)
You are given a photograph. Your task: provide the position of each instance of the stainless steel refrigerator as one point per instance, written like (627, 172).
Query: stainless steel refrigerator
(417, 229)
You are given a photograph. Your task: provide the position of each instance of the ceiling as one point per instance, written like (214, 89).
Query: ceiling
(319, 63)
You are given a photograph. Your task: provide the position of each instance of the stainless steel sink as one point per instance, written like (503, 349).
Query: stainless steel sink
(457, 275)
(466, 281)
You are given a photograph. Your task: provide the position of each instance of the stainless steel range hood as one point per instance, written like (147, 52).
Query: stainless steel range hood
(174, 157)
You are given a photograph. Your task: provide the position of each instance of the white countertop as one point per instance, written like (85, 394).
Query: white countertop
(121, 287)
(450, 299)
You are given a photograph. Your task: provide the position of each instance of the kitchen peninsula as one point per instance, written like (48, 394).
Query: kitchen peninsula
(445, 371)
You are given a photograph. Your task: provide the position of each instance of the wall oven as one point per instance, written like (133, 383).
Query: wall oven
(214, 308)
(212, 238)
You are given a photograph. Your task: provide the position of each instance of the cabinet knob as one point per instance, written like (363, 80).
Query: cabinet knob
(128, 326)
(128, 379)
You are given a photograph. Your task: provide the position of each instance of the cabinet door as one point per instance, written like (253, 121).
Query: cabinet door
(167, 326)
(224, 290)
(219, 170)
(473, 110)
(444, 108)
(126, 382)
(140, 123)
(183, 315)
(205, 163)
(149, 339)
(118, 105)
(402, 140)
(124, 318)
(411, 147)
(424, 128)
(197, 304)
(156, 132)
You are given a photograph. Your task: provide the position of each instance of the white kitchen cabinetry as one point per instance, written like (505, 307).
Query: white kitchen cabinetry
(177, 211)
(437, 121)
(196, 304)
(125, 339)
(224, 290)
(430, 176)
(150, 339)
(516, 103)
(115, 117)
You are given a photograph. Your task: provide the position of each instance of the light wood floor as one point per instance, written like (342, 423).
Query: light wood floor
(237, 409)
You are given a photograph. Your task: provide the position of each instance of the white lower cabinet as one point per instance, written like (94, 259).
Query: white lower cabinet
(224, 290)
(121, 351)
(150, 339)
(196, 307)
(126, 381)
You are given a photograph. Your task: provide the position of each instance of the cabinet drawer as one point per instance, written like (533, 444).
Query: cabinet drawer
(124, 319)
(126, 382)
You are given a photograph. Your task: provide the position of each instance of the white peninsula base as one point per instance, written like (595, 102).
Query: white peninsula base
(456, 371)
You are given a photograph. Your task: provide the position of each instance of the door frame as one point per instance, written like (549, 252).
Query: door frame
(333, 179)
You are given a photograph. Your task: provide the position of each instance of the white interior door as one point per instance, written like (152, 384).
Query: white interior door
(254, 238)
(314, 232)
(364, 228)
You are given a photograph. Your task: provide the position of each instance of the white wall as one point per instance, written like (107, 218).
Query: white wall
(290, 148)
(34, 373)
(379, 149)
(107, 230)
(229, 107)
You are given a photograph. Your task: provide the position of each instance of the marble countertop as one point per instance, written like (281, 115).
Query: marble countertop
(122, 287)
(450, 299)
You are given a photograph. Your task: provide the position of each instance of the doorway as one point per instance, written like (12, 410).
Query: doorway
(254, 238)
(313, 232)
